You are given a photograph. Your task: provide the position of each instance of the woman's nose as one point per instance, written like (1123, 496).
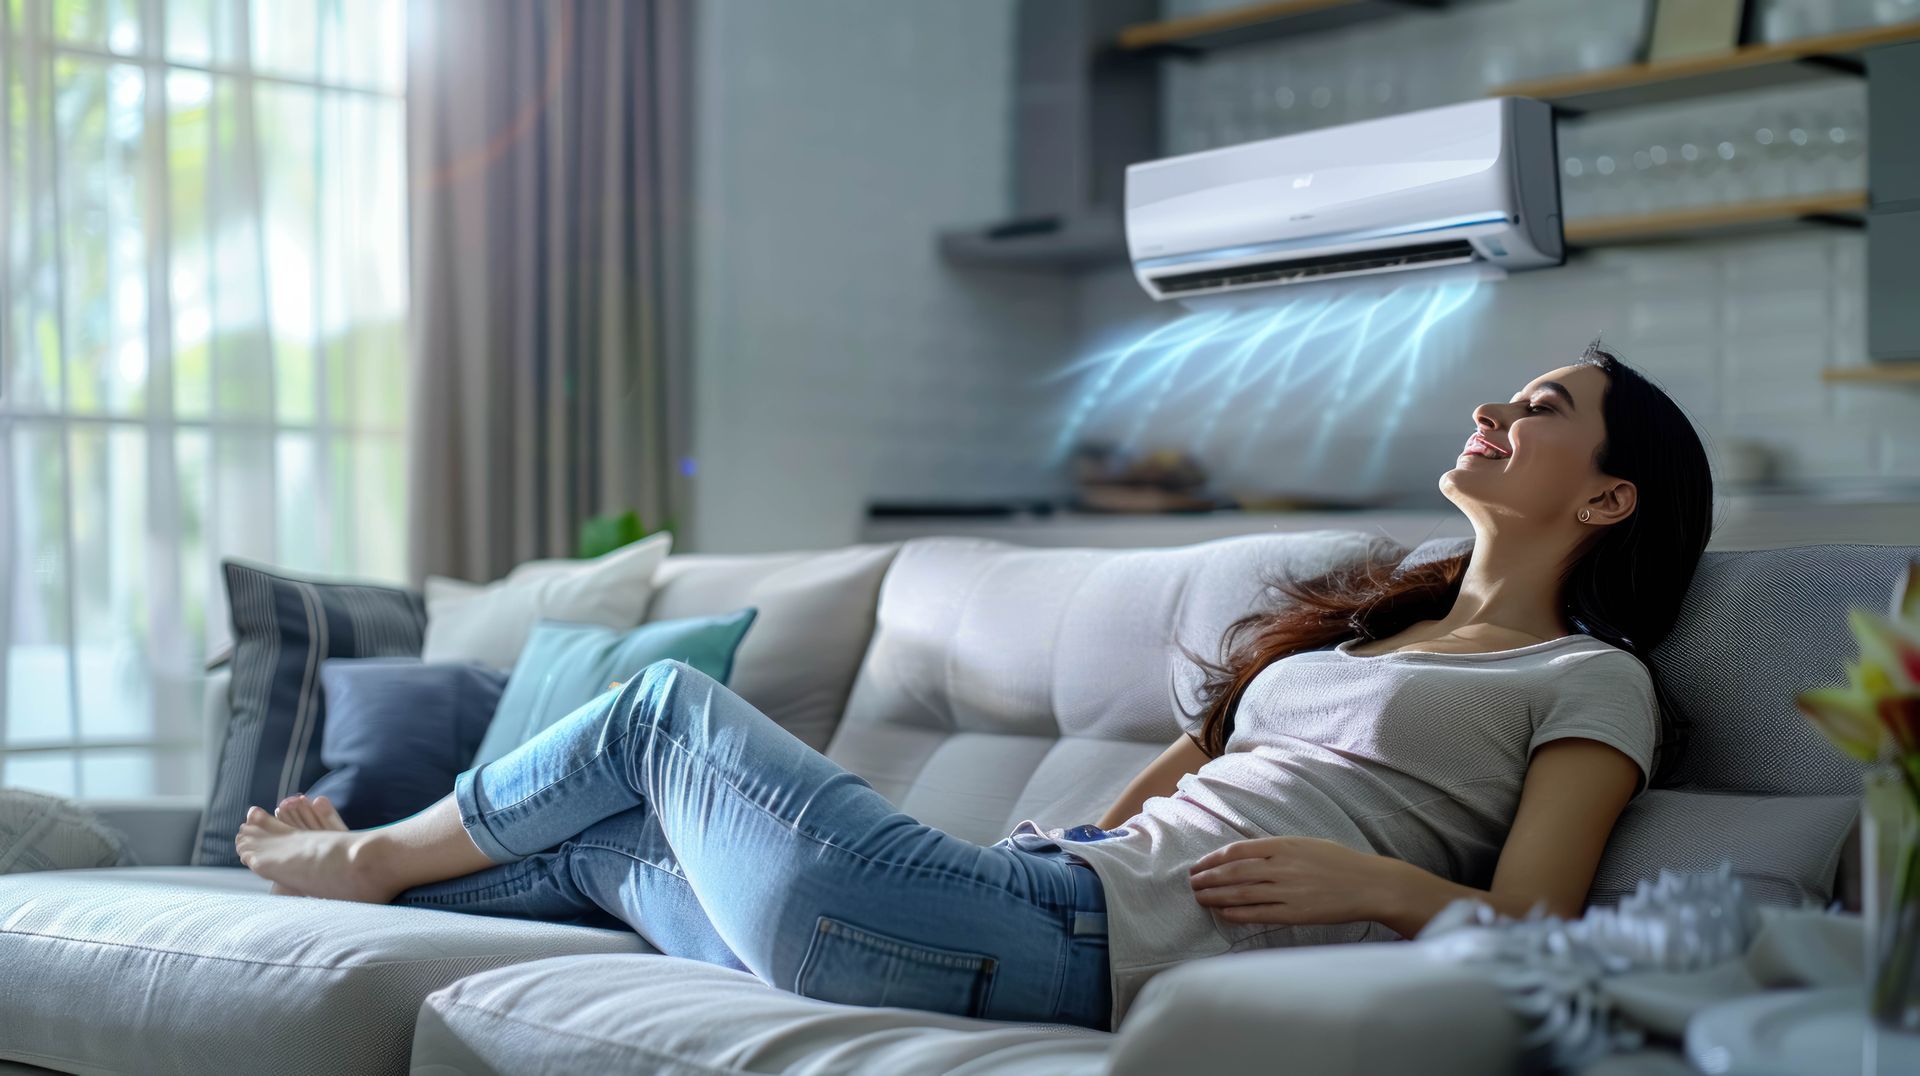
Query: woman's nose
(1487, 416)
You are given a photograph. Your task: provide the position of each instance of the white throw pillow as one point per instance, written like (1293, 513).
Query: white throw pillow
(490, 623)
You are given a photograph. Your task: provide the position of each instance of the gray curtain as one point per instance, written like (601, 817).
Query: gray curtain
(548, 158)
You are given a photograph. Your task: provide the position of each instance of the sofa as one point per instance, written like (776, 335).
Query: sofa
(974, 683)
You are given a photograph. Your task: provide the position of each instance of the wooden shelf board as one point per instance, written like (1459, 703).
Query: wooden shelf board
(1744, 68)
(1896, 373)
(1081, 241)
(1706, 220)
(1234, 26)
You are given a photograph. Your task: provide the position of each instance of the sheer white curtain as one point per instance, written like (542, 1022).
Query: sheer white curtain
(203, 310)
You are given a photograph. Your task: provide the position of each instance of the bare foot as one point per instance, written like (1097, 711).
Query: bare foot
(334, 864)
(303, 813)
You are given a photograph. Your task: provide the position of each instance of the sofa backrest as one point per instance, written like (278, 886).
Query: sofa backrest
(1757, 628)
(1005, 682)
(797, 662)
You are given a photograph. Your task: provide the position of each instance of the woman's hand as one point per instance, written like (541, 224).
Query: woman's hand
(1294, 881)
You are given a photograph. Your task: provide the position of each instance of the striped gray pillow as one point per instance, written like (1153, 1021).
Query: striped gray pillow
(284, 626)
(1784, 849)
(39, 832)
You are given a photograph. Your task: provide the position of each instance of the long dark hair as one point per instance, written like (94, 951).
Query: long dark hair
(1624, 588)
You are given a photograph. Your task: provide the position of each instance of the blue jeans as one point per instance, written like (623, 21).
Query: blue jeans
(675, 807)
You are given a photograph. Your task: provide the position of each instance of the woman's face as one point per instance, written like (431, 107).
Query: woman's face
(1532, 457)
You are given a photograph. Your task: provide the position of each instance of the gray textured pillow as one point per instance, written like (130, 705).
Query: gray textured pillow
(1784, 849)
(39, 832)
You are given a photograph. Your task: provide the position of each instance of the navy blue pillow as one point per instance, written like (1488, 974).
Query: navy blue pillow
(284, 626)
(398, 732)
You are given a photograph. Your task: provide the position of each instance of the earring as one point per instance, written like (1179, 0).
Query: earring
(1585, 515)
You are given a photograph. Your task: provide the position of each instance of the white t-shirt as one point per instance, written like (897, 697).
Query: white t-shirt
(1417, 756)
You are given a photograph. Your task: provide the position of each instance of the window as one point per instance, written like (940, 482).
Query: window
(202, 351)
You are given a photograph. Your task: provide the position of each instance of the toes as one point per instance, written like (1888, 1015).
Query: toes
(267, 822)
(308, 816)
(327, 814)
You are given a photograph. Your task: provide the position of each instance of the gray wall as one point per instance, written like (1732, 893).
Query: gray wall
(837, 359)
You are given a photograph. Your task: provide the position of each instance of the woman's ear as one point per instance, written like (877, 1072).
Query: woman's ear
(1614, 502)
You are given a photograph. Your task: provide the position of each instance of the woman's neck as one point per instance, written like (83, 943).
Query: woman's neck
(1512, 582)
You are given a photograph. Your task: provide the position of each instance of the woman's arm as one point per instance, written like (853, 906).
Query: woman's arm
(1158, 779)
(1575, 790)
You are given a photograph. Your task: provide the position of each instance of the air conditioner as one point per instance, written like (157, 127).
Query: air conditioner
(1474, 184)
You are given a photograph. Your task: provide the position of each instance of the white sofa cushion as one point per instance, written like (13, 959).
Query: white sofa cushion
(198, 969)
(816, 614)
(489, 623)
(658, 1014)
(1360, 1008)
(1005, 682)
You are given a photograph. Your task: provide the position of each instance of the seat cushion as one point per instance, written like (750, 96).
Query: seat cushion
(196, 970)
(1325, 1008)
(659, 1014)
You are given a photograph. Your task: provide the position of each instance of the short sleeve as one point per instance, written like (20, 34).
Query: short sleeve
(1605, 696)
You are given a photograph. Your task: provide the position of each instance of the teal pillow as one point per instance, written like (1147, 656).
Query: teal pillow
(565, 666)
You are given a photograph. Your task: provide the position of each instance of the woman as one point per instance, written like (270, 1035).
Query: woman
(1364, 756)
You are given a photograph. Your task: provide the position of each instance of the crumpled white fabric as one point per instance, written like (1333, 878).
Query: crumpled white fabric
(1553, 970)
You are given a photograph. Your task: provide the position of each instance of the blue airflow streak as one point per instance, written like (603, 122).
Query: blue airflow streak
(1346, 348)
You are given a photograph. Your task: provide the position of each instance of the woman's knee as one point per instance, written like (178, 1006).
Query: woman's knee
(659, 693)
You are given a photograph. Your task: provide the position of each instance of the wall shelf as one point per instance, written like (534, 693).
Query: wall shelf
(1888, 373)
(1058, 244)
(1745, 68)
(1259, 22)
(1841, 207)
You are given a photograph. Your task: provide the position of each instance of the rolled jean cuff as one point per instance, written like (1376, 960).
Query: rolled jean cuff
(466, 794)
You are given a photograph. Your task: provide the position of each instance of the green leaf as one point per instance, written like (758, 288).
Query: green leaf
(601, 535)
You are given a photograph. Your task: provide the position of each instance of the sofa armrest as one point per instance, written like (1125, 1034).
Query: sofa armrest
(160, 831)
(1363, 1008)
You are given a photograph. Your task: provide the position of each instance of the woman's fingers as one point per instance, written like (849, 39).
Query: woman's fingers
(1234, 872)
(1229, 895)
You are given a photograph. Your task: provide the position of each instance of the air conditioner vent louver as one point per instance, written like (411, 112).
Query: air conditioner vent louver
(1301, 270)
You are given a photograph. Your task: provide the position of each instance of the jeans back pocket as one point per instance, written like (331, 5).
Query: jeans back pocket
(854, 966)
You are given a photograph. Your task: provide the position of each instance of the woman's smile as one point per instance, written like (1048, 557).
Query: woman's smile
(1480, 446)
